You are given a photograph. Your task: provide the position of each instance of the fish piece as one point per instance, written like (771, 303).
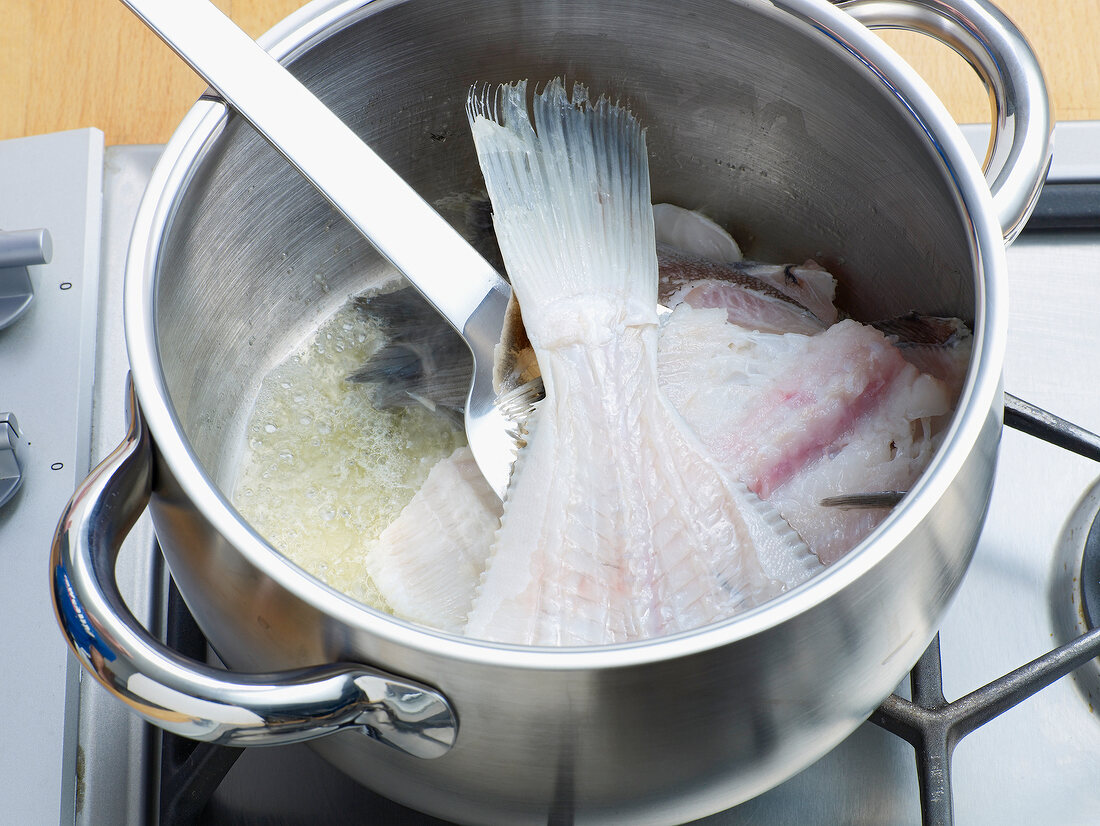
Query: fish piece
(684, 234)
(885, 450)
(845, 373)
(428, 562)
(810, 284)
(711, 370)
(746, 289)
(800, 418)
(935, 345)
(692, 232)
(618, 524)
(748, 301)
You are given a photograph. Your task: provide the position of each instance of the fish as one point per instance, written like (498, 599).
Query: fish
(747, 299)
(935, 345)
(800, 418)
(428, 562)
(424, 361)
(712, 371)
(618, 524)
(693, 232)
(808, 283)
(692, 248)
(793, 403)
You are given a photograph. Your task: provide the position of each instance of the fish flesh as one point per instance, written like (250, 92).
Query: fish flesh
(801, 418)
(933, 344)
(749, 301)
(428, 562)
(715, 373)
(618, 524)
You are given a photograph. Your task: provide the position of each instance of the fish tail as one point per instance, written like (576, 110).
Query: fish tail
(571, 195)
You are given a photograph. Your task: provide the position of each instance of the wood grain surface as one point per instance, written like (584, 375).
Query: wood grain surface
(66, 64)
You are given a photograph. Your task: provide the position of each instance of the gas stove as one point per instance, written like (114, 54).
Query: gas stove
(63, 368)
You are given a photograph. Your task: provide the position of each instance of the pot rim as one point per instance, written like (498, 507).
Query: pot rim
(981, 393)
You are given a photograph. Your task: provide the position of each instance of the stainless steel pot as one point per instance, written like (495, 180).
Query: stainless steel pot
(790, 123)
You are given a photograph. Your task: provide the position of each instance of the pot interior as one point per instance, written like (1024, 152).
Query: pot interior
(754, 116)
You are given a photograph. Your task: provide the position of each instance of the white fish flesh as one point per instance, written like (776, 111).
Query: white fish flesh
(428, 565)
(428, 562)
(692, 232)
(618, 524)
(801, 418)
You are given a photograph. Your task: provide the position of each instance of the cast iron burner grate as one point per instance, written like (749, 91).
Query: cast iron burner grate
(191, 772)
(934, 726)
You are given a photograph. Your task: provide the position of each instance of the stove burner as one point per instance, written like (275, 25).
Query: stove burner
(1090, 577)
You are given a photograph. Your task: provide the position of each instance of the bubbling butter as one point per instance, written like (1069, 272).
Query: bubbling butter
(323, 472)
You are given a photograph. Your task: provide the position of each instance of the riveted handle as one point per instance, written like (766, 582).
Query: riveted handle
(191, 698)
(1020, 144)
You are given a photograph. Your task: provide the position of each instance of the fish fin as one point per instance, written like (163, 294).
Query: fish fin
(780, 550)
(423, 360)
(571, 199)
(393, 362)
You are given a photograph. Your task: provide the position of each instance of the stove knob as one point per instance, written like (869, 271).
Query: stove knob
(18, 250)
(11, 457)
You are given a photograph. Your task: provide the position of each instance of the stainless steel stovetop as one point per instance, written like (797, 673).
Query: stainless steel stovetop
(62, 370)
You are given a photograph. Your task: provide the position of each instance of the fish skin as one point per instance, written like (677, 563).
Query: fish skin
(618, 524)
(935, 345)
(810, 284)
(423, 360)
(749, 307)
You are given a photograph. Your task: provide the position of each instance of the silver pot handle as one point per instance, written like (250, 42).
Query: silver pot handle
(190, 698)
(1020, 146)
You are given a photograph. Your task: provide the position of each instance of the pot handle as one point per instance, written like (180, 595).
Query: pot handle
(190, 698)
(1020, 145)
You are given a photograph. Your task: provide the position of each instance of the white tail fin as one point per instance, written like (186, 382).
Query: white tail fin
(570, 196)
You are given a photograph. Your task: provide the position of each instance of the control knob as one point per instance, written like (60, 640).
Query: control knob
(18, 249)
(11, 457)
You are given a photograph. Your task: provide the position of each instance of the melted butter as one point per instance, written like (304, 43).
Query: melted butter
(324, 472)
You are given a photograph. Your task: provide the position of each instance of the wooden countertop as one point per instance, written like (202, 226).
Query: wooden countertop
(66, 64)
